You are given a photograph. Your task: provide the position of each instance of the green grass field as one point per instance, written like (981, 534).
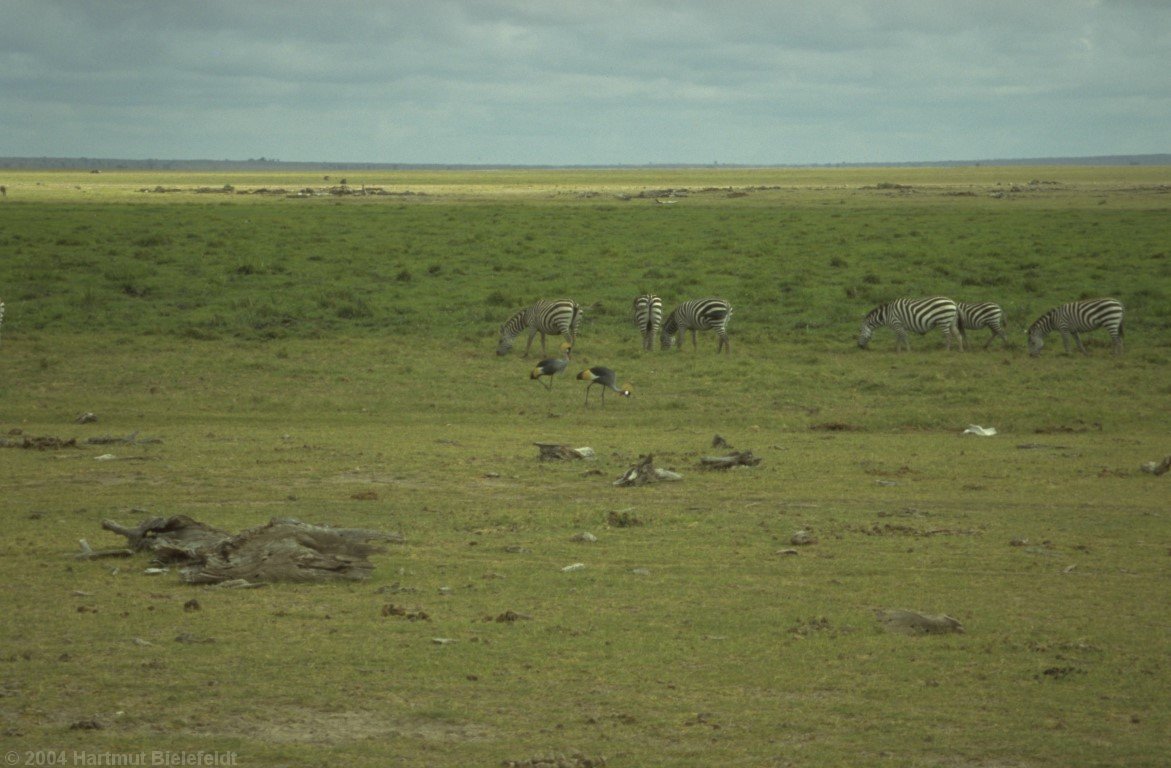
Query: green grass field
(329, 357)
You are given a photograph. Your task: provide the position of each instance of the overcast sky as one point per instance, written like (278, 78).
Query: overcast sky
(584, 82)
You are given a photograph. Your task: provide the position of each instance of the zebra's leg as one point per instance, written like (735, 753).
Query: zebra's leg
(529, 346)
(723, 344)
(901, 340)
(1117, 344)
(1065, 340)
(1077, 339)
(694, 343)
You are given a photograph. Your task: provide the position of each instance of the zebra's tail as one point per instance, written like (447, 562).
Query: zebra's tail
(574, 322)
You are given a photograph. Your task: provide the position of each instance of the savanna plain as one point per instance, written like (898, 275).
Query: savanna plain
(286, 345)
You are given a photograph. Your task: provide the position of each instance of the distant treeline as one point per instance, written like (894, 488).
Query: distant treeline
(264, 164)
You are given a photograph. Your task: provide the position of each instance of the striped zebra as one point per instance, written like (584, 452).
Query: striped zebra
(698, 315)
(648, 318)
(1, 314)
(972, 317)
(1073, 318)
(918, 315)
(561, 316)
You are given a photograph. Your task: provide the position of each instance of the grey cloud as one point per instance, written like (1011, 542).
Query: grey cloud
(611, 82)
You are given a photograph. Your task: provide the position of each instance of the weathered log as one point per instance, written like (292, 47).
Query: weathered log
(177, 539)
(47, 443)
(283, 550)
(915, 623)
(557, 452)
(131, 439)
(646, 472)
(734, 459)
(1158, 467)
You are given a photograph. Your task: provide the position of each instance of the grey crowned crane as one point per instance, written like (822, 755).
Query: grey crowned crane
(603, 377)
(552, 366)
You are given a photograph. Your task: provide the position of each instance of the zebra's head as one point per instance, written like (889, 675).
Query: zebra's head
(509, 331)
(668, 331)
(865, 333)
(1036, 342)
(1037, 332)
(869, 323)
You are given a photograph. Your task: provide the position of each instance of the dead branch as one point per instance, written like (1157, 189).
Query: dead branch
(557, 451)
(645, 472)
(915, 623)
(47, 443)
(1158, 467)
(282, 550)
(89, 553)
(734, 459)
(131, 439)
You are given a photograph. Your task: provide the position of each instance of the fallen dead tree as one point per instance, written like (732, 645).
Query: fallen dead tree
(282, 550)
(734, 459)
(645, 472)
(914, 623)
(1158, 467)
(47, 443)
(557, 451)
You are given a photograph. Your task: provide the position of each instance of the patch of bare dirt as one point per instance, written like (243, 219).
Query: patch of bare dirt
(302, 725)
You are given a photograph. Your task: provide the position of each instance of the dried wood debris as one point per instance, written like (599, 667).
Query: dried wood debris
(645, 472)
(914, 623)
(282, 550)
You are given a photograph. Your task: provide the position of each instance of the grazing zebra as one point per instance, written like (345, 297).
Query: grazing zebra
(918, 315)
(1075, 317)
(648, 318)
(561, 316)
(971, 317)
(698, 315)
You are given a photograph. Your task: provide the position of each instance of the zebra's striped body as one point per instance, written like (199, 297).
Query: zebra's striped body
(561, 316)
(917, 315)
(1075, 317)
(648, 318)
(698, 315)
(971, 317)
